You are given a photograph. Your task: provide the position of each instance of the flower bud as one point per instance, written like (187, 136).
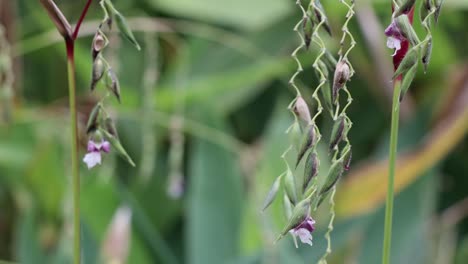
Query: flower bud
(406, 29)
(347, 156)
(98, 71)
(93, 120)
(99, 43)
(125, 29)
(115, 142)
(287, 206)
(404, 8)
(320, 16)
(333, 176)
(309, 140)
(342, 75)
(425, 9)
(110, 127)
(290, 186)
(337, 131)
(438, 6)
(272, 193)
(307, 29)
(298, 215)
(407, 80)
(311, 169)
(301, 109)
(325, 91)
(426, 52)
(410, 59)
(112, 83)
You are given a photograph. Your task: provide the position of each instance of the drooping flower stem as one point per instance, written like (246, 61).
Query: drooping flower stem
(391, 171)
(74, 149)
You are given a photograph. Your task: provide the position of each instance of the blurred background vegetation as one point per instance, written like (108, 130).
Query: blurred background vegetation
(203, 115)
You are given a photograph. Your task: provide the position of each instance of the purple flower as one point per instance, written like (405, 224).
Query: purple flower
(304, 230)
(394, 37)
(93, 157)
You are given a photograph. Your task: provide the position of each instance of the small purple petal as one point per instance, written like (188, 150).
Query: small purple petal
(92, 147)
(304, 235)
(105, 146)
(92, 159)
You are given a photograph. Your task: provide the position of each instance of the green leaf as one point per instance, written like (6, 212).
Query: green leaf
(214, 202)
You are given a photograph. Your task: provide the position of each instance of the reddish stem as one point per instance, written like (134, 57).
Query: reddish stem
(401, 53)
(80, 20)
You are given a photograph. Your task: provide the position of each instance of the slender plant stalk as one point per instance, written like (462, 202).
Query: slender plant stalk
(74, 150)
(391, 172)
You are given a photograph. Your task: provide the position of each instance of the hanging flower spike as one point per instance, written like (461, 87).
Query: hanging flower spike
(395, 38)
(93, 157)
(304, 230)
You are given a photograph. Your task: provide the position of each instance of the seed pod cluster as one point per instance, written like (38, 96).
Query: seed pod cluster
(99, 122)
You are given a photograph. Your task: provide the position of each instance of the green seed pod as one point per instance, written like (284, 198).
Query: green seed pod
(438, 6)
(407, 30)
(408, 61)
(334, 174)
(307, 29)
(290, 186)
(323, 68)
(325, 91)
(337, 131)
(426, 52)
(407, 80)
(115, 142)
(93, 120)
(309, 140)
(112, 83)
(302, 110)
(330, 60)
(125, 29)
(287, 206)
(347, 157)
(404, 8)
(425, 9)
(311, 169)
(295, 135)
(272, 193)
(299, 214)
(98, 71)
(110, 127)
(320, 16)
(342, 75)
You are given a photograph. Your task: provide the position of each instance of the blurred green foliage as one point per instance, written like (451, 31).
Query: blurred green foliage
(224, 67)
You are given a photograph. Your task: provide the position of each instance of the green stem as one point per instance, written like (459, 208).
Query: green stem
(391, 172)
(74, 150)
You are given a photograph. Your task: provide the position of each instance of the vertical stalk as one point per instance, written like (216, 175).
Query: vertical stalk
(391, 172)
(74, 150)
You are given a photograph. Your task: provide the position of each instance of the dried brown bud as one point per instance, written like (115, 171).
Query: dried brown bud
(342, 75)
(301, 109)
(99, 43)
